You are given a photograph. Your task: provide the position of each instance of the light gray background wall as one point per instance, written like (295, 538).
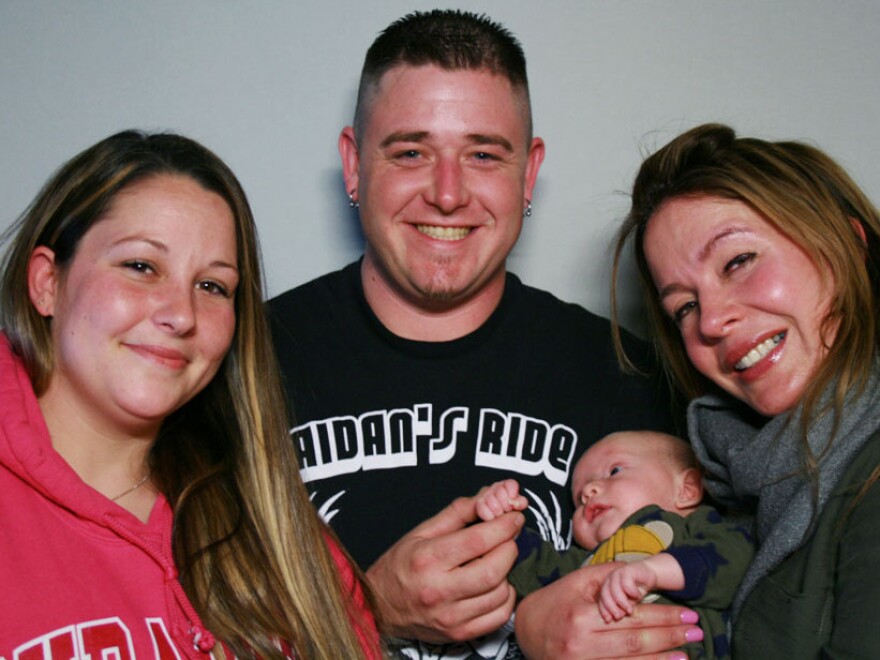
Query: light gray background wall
(269, 84)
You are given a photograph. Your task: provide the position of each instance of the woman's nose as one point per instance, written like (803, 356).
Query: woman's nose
(176, 309)
(718, 315)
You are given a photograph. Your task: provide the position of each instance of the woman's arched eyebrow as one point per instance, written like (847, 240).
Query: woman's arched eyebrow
(704, 253)
(713, 242)
(163, 248)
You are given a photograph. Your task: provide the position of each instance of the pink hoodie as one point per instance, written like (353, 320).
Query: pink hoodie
(80, 575)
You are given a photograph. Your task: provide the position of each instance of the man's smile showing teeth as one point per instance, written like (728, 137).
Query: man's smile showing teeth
(444, 233)
(761, 350)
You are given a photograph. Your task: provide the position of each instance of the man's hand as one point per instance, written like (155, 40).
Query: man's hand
(562, 621)
(445, 581)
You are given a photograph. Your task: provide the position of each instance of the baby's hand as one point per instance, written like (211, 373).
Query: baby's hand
(623, 588)
(499, 498)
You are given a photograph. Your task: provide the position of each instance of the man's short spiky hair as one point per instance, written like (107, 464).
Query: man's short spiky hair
(449, 38)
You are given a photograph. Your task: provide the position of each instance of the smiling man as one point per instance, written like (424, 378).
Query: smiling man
(425, 370)
(443, 181)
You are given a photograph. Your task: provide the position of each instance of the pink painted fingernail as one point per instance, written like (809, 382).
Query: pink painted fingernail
(689, 616)
(694, 635)
(678, 656)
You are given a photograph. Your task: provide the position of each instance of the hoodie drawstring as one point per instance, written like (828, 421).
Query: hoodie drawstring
(202, 639)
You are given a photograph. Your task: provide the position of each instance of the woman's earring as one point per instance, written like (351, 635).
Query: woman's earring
(41, 307)
(527, 212)
(352, 202)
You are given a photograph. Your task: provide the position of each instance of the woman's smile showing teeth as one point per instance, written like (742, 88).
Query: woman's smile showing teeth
(444, 233)
(751, 307)
(758, 352)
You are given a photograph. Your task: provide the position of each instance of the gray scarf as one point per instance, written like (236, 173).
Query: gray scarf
(757, 465)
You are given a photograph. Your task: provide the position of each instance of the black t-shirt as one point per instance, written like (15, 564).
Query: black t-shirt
(390, 430)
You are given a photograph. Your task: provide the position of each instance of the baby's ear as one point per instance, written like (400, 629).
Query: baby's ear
(688, 488)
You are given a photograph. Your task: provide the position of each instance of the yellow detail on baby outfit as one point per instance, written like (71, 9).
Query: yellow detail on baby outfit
(633, 542)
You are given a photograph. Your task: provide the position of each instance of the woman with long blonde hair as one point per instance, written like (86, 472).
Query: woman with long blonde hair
(152, 504)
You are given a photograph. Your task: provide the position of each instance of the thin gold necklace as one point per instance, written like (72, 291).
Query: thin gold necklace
(133, 488)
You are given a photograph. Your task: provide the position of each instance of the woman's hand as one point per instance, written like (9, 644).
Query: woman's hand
(562, 621)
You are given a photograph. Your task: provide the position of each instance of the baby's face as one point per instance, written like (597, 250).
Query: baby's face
(616, 477)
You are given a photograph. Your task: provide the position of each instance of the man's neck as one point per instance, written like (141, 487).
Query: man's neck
(410, 320)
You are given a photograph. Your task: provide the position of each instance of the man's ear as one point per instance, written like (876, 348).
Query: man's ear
(348, 151)
(534, 158)
(43, 280)
(689, 488)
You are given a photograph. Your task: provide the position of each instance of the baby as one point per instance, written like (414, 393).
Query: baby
(638, 499)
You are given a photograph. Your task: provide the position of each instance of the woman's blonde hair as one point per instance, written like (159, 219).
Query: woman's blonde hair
(805, 195)
(251, 551)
